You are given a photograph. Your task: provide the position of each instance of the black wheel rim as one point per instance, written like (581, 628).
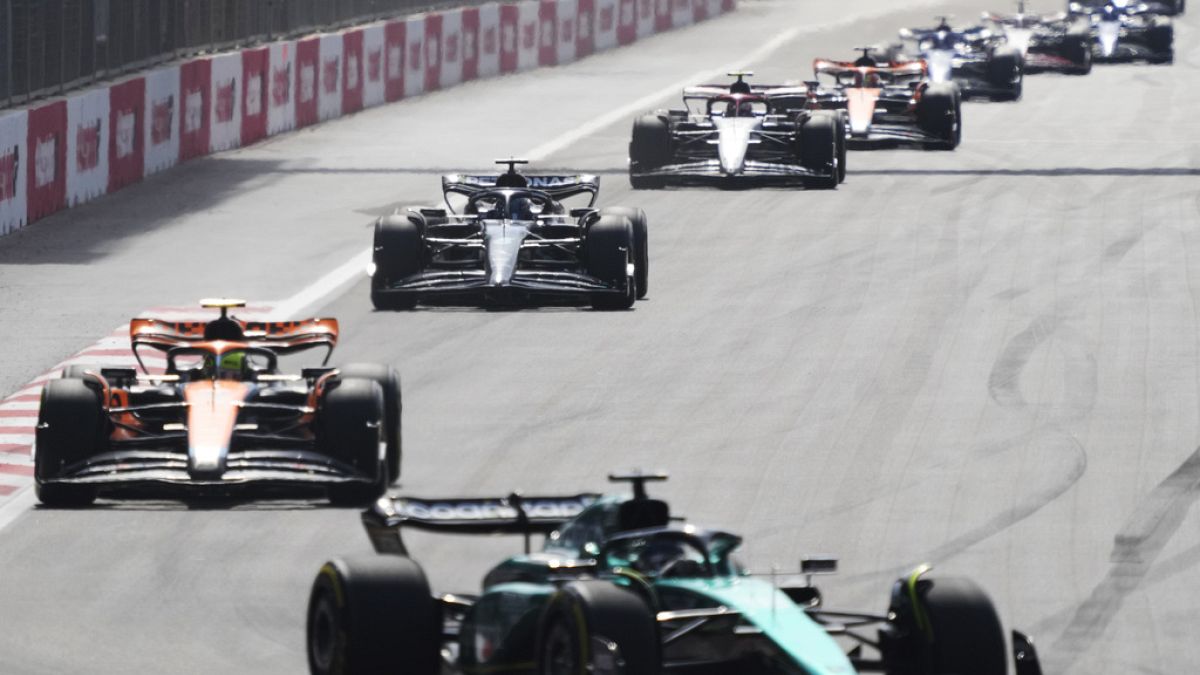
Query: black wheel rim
(322, 642)
(560, 655)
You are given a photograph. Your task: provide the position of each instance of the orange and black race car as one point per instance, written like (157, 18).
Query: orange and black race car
(889, 103)
(222, 418)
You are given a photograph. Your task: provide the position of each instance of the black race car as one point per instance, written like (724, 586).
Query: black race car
(515, 241)
(979, 61)
(1060, 43)
(622, 587)
(738, 133)
(1123, 32)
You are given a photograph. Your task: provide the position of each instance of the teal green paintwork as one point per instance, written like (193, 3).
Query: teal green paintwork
(786, 624)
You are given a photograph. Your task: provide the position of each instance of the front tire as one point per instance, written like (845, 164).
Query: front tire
(1006, 70)
(953, 628)
(939, 114)
(393, 406)
(641, 240)
(396, 255)
(818, 139)
(373, 615)
(352, 417)
(70, 429)
(609, 249)
(567, 647)
(650, 148)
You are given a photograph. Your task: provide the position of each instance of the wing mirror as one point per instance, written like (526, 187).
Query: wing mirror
(811, 567)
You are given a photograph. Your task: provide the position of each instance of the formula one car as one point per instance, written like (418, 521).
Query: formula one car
(623, 587)
(889, 103)
(977, 60)
(1124, 32)
(1161, 7)
(1047, 43)
(514, 242)
(222, 419)
(737, 134)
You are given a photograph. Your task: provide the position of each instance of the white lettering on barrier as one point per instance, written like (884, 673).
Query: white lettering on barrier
(281, 108)
(126, 127)
(225, 122)
(329, 98)
(44, 164)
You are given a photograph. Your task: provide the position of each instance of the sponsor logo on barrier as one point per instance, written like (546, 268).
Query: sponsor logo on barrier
(529, 36)
(254, 95)
(87, 146)
(44, 164)
(432, 49)
(329, 76)
(414, 56)
(374, 65)
(225, 100)
(510, 37)
(607, 17)
(10, 165)
(124, 137)
(352, 68)
(281, 89)
(547, 33)
(161, 114)
(566, 31)
(308, 83)
(451, 55)
(470, 47)
(628, 14)
(193, 114)
(395, 63)
(490, 41)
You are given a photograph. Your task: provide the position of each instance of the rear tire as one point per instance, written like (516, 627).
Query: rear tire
(351, 419)
(609, 247)
(650, 149)
(70, 429)
(1079, 51)
(393, 406)
(1006, 70)
(565, 647)
(373, 615)
(397, 254)
(641, 240)
(939, 114)
(819, 149)
(1161, 38)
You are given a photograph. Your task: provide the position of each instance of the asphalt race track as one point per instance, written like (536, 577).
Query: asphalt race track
(987, 359)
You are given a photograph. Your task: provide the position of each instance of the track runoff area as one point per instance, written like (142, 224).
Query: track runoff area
(982, 359)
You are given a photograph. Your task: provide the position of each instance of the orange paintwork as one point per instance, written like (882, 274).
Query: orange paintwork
(860, 105)
(213, 407)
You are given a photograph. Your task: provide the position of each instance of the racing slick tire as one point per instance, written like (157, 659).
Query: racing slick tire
(1006, 72)
(396, 255)
(641, 240)
(939, 114)
(620, 616)
(953, 629)
(1078, 48)
(841, 147)
(393, 406)
(650, 148)
(371, 615)
(610, 245)
(69, 430)
(351, 422)
(818, 139)
(78, 372)
(1161, 38)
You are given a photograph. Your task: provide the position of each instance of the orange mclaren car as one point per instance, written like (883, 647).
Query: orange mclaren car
(221, 418)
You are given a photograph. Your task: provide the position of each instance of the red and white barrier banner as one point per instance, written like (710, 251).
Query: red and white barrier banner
(127, 132)
(471, 43)
(256, 82)
(414, 56)
(452, 48)
(605, 34)
(14, 139)
(353, 75)
(527, 34)
(585, 28)
(395, 49)
(87, 145)
(728, 5)
(195, 91)
(699, 10)
(568, 16)
(329, 77)
(488, 40)
(510, 21)
(225, 118)
(374, 91)
(281, 106)
(548, 33)
(162, 119)
(433, 52)
(47, 152)
(681, 13)
(308, 57)
(662, 16)
(626, 21)
(646, 15)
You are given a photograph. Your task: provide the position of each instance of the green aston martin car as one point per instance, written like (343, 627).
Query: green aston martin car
(621, 587)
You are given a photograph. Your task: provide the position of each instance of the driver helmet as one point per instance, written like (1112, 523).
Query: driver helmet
(657, 555)
(521, 208)
(228, 366)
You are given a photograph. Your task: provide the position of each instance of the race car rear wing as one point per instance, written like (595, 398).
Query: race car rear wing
(281, 337)
(557, 187)
(514, 514)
